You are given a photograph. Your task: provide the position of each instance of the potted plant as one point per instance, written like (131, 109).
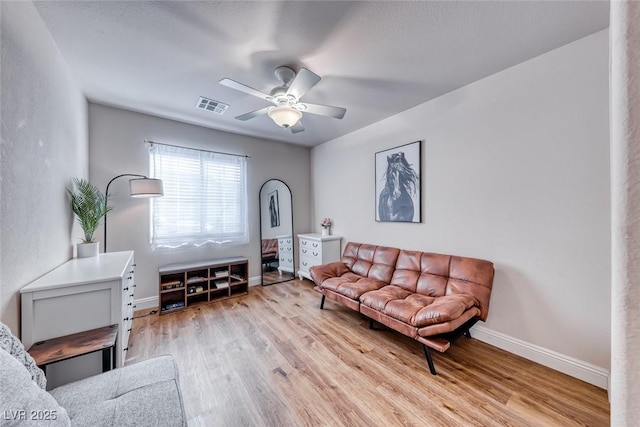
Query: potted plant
(326, 226)
(89, 206)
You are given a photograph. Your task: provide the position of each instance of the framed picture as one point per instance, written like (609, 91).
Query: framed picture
(398, 188)
(274, 209)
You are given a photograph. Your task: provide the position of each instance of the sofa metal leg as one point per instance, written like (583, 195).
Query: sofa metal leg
(370, 323)
(322, 302)
(427, 354)
(467, 333)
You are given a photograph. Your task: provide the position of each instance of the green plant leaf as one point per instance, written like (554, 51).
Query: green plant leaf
(89, 206)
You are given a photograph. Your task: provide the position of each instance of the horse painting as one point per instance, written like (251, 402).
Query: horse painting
(395, 202)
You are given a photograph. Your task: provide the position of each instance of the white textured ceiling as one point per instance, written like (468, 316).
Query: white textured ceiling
(376, 59)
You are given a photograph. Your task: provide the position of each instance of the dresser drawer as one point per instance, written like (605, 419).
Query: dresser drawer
(307, 262)
(311, 254)
(309, 244)
(286, 250)
(286, 260)
(285, 243)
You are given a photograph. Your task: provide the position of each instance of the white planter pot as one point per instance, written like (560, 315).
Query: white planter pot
(325, 231)
(86, 250)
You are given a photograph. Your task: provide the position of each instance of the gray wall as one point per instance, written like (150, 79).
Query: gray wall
(116, 146)
(516, 171)
(44, 145)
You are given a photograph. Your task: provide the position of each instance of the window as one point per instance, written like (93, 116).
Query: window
(205, 198)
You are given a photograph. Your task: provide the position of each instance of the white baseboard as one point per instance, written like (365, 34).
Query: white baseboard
(145, 303)
(255, 280)
(567, 365)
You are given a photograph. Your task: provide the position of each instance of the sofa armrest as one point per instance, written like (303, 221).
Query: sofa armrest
(320, 273)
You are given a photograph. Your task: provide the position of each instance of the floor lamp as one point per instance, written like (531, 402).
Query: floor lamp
(140, 186)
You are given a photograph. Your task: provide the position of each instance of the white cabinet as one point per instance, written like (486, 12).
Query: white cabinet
(285, 254)
(79, 295)
(316, 249)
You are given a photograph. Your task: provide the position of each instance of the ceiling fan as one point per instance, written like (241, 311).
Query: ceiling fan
(287, 109)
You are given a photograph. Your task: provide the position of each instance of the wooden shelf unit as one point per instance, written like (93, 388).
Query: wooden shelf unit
(190, 284)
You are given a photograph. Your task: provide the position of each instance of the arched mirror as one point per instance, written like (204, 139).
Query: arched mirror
(276, 232)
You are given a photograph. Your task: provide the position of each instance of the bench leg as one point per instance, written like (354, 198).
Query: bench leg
(322, 302)
(427, 354)
(106, 359)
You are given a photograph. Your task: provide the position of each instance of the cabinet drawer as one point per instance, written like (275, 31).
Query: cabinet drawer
(286, 250)
(311, 253)
(286, 260)
(307, 262)
(309, 244)
(285, 243)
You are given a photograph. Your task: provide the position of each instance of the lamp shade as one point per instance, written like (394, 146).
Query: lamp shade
(145, 187)
(284, 116)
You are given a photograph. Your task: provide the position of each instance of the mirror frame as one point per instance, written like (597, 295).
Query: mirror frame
(293, 240)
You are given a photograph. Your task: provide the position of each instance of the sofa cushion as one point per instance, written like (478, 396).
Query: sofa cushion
(422, 272)
(379, 299)
(416, 309)
(23, 402)
(443, 309)
(352, 285)
(320, 273)
(375, 262)
(146, 393)
(269, 249)
(12, 345)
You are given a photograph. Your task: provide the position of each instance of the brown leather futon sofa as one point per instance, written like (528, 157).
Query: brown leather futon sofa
(432, 298)
(269, 251)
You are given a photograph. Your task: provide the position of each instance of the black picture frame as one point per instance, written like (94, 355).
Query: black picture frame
(398, 175)
(274, 209)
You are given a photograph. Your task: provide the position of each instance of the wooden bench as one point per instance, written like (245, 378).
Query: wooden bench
(74, 345)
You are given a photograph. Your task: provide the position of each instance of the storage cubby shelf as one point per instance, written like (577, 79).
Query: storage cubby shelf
(220, 279)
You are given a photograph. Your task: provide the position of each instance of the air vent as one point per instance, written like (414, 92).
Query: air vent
(211, 105)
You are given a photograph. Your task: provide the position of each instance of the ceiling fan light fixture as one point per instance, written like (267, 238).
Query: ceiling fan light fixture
(284, 116)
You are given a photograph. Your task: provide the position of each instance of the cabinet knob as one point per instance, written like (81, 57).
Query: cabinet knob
(132, 271)
(131, 295)
(129, 330)
(134, 265)
(130, 303)
(125, 349)
(125, 289)
(125, 319)
(129, 278)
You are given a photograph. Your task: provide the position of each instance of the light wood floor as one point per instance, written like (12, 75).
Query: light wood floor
(273, 358)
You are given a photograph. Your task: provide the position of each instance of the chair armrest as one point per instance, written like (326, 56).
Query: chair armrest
(320, 273)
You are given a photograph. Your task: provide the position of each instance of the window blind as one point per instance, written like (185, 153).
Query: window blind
(205, 198)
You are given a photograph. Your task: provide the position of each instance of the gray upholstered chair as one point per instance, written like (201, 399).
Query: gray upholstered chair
(144, 394)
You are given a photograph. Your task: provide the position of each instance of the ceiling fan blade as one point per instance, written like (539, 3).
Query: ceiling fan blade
(297, 127)
(253, 114)
(244, 88)
(303, 81)
(325, 110)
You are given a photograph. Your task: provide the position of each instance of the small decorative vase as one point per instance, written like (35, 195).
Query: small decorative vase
(325, 231)
(87, 250)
